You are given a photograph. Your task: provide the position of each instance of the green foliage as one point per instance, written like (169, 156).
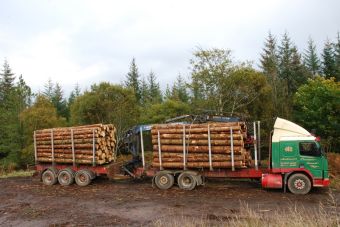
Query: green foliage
(223, 87)
(74, 94)
(311, 59)
(328, 61)
(317, 106)
(291, 70)
(179, 90)
(59, 101)
(42, 114)
(132, 80)
(9, 124)
(270, 68)
(249, 93)
(337, 57)
(106, 103)
(160, 112)
(210, 68)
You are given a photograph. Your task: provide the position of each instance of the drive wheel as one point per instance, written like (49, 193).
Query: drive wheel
(83, 177)
(66, 177)
(164, 180)
(186, 181)
(299, 184)
(49, 177)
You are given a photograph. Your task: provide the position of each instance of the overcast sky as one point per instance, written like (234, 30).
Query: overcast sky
(88, 42)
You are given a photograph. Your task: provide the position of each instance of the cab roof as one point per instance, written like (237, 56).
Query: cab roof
(285, 130)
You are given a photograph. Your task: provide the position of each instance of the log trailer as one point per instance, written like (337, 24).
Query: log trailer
(295, 161)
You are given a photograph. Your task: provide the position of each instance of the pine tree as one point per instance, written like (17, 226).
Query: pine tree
(291, 72)
(179, 90)
(167, 94)
(311, 59)
(9, 124)
(300, 72)
(337, 57)
(6, 82)
(73, 95)
(144, 91)
(269, 65)
(291, 69)
(285, 58)
(48, 89)
(59, 102)
(328, 60)
(23, 100)
(132, 79)
(155, 94)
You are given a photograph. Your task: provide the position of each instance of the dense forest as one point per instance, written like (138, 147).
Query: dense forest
(302, 86)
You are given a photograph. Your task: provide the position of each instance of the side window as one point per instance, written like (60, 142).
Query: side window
(309, 149)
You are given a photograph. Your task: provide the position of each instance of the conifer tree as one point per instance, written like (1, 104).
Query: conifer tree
(48, 89)
(269, 65)
(155, 94)
(9, 124)
(132, 79)
(179, 90)
(59, 101)
(337, 57)
(328, 60)
(73, 95)
(144, 91)
(311, 59)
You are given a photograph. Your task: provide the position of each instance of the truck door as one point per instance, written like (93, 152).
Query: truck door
(288, 154)
(310, 158)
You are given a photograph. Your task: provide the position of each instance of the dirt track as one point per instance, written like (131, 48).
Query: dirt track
(26, 202)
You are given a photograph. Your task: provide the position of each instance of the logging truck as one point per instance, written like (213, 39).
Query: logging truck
(184, 154)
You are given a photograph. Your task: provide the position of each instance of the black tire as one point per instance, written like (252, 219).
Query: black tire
(66, 177)
(49, 177)
(299, 184)
(83, 178)
(164, 180)
(186, 181)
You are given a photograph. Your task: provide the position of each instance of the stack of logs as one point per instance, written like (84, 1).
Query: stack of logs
(196, 145)
(88, 144)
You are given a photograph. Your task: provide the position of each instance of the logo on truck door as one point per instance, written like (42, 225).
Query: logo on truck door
(288, 149)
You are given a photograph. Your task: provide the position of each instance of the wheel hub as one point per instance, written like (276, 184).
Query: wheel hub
(163, 180)
(299, 184)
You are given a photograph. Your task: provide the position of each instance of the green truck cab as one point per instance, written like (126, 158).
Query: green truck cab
(298, 157)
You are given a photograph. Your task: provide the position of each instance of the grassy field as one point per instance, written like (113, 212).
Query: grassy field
(326, 215)
(18, 173)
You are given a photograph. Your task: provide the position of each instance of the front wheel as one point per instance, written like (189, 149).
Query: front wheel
(299, 184)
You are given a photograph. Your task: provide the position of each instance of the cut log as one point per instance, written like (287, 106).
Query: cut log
(198, 142)
(64, 160)
(198, 149)
(199, 136)
(236, 129)
(175, 165)
(81, 141)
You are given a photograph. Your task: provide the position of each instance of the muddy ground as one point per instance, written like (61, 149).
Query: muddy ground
(27, 202)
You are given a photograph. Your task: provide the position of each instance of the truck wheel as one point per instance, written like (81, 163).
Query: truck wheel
(164, 180)
(49, 177)
(186, 181)
(299, 184)
(66, 177)
(83, 178)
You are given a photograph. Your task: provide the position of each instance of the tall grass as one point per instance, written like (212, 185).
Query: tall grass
(326, 215)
